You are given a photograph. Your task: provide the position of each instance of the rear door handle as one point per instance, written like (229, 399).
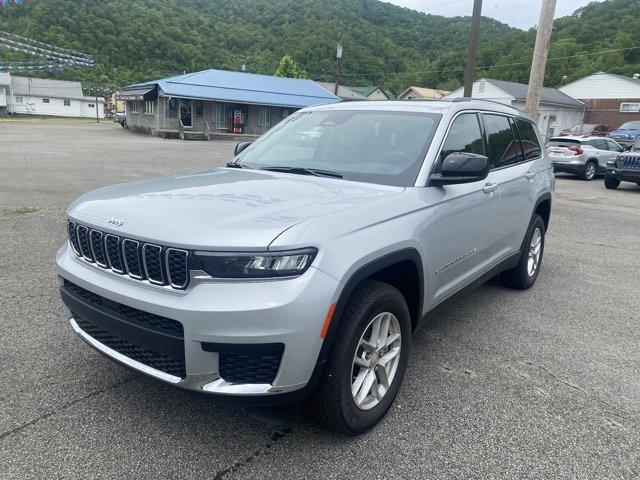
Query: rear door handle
(530, 175)
(490, 187)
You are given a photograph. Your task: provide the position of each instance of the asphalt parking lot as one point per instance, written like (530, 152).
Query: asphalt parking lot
(504, 384)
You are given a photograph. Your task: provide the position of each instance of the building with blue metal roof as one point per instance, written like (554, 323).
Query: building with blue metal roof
(217, 102)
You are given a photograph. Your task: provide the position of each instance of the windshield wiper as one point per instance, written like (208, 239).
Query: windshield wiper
(316, 172)
(234, 165)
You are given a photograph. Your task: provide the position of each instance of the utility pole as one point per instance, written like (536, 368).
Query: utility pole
(470, 75)
(338, 62)
(95, 86)
(540, 52)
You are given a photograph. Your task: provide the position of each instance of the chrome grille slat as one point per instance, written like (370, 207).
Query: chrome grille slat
(82, 233)
(177, 267)
(97, 248)
(114, 257)
(131, 255)
(156, 264)
(152, 262)
(73, 238)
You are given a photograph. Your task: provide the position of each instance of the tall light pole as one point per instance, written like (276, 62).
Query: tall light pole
(470, 74)
(540, 52)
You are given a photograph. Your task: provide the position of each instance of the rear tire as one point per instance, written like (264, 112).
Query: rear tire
(611, 183)
(333, 404)
(589, 171)
(524, 275)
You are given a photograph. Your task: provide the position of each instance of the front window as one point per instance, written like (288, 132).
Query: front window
(149, 107)
(67, 103)
(627, 107)
(264, 119)
(19, 100)
(172, 108)
(368, 146)
(45, 100)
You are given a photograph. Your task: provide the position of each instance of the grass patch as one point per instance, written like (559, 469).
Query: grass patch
(21, 210)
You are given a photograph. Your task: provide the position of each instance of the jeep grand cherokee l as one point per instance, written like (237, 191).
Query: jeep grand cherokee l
(301, 270)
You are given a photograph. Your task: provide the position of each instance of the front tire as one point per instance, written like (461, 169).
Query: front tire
(367, 362)
(524, 275)
(611, 183)
(589, 171)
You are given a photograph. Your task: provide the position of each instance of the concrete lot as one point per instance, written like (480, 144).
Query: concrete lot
(505, 384)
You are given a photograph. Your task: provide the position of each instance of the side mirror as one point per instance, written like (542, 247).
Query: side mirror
(461, 167)
(240, 147)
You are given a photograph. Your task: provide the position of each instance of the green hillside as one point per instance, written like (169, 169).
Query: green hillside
(383, 44)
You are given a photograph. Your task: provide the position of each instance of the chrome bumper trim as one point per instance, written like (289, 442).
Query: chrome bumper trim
(209, 383)
(109, 352)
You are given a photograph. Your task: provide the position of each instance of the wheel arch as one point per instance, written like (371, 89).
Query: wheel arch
(543, 208)
(382, 269)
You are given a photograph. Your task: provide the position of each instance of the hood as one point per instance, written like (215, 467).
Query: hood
(227, 209)
(628, 133)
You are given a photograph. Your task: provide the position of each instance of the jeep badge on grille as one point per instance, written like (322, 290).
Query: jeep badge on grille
(118, 222)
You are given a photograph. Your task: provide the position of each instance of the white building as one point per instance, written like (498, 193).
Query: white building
(39, 96)
(610, 99)
(557, 110)
(5, 85)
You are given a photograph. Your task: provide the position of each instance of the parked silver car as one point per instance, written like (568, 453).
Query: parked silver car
(582, 156)
(301, 270)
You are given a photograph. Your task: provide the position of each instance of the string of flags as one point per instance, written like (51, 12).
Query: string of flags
(56, 58)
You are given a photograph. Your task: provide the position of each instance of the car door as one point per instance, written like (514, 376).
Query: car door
(462, 240)
(602, 153)
(514, 174)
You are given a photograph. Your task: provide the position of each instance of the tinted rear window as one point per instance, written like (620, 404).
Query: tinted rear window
(561, 142)
(502, 149)
(529, 139)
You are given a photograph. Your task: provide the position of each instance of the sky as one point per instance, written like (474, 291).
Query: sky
(517, 13)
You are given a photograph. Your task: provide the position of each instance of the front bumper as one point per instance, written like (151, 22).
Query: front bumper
(212, 315)
(623, 175)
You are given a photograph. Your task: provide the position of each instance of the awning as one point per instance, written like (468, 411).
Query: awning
(142, 93)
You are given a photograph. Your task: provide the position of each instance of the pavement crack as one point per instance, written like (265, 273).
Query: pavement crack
(237, 465)
(44, 416)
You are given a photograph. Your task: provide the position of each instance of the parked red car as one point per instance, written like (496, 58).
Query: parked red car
(587, 129)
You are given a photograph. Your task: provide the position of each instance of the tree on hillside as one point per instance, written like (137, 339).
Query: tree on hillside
(288, 68)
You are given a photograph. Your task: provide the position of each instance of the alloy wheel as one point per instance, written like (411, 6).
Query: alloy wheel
(535, 248)
(591, 171)
(375, 361)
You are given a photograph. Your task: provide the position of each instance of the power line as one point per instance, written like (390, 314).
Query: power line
(485, 67)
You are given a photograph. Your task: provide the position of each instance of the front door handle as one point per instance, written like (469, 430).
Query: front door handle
(490, 187)
(530, 175)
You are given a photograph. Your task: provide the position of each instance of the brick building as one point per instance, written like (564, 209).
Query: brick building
(217, 102)
(610, 99)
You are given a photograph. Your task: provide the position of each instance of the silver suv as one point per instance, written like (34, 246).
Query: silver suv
(301, 270)
(585, 157)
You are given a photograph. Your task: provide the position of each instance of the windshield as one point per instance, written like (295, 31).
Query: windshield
(362, 145)
(636, 146)
(630, 126)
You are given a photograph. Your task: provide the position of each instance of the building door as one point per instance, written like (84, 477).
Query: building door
(185, 112)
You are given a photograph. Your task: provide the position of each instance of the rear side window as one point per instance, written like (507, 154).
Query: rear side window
(502, 148)
(529, 139)
(464, 136)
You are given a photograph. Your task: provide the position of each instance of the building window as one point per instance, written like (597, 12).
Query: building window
(19, 100)
(134, 107)
(172, 108)
(199, 108)
(264, 119)
(626, 107)
(91, 105)
(67, 103)
(149, 107)
(45, 100)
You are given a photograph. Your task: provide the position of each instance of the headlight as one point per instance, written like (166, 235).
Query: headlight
(256, 265)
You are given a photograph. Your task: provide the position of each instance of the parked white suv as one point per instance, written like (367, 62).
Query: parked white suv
(585, 157)
(301, 270)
